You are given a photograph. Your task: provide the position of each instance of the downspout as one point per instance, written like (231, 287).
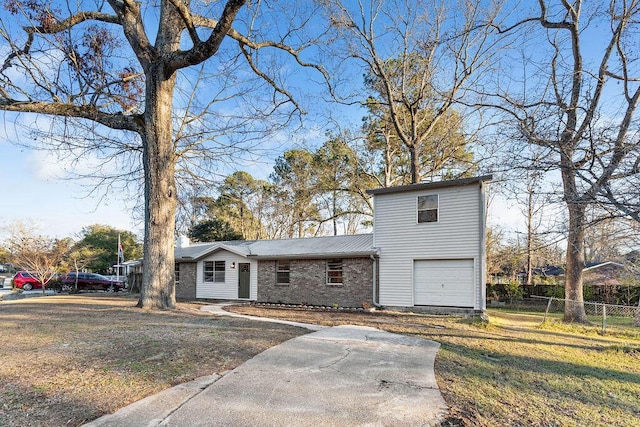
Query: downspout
(374, 280)
(483, 247)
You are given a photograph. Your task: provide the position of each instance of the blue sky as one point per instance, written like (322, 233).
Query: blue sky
(60, 207)
(33, 190)
(32, 193)
(36, 190)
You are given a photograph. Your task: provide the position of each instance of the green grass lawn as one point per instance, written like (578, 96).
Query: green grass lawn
(518, 371)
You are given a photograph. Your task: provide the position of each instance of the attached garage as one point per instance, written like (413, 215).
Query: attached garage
(445, 283)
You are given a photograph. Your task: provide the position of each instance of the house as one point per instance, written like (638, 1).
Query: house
(427, 249)
(431, 243)
(329, 271)
(607, 273)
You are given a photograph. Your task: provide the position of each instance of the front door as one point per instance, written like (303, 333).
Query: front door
(244, 279)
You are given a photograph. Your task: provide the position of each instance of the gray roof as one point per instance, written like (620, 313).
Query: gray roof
(311, 247)
(196, 251)
(432, 185)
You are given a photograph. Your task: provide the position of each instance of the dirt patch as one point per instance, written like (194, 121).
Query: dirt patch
(66, 360)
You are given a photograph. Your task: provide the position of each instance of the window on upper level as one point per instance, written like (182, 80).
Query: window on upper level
(428, 208)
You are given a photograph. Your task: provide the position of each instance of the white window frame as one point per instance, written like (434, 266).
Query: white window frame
(219, 274)
(176, 273)
(211, 272)
(283, 271)
(334, 266)
(208, 274)
(436, 209)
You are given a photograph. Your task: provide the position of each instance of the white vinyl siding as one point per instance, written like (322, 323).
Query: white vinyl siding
(401, 239)
(228, 289)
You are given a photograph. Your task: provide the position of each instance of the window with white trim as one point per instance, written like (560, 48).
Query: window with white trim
(283, 271)
(176, 273)
(219, 271)
(334, 272)
(428, 208)
(213, 271)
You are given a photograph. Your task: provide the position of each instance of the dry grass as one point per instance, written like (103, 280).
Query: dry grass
(69, 359)
(65, 360)
(513, 371)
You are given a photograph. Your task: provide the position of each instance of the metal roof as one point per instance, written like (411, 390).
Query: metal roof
(431, 185)
(196, 251)
(315, 247)
(309, 247)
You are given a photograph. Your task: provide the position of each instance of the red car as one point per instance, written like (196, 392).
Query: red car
(90, 282)
(25, 280)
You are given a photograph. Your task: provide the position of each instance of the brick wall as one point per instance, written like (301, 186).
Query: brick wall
(186, 289)
(308, 283)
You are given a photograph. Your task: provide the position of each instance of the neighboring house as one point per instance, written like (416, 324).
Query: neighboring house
(545, 275)
(427, 249)
(607, 273)
(604, 274)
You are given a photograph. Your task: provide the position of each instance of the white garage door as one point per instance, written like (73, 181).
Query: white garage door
(448, 283)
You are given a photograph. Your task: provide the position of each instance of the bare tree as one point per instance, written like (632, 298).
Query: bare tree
(579, 102)
(41, 256)
(419, 59)
(103, 67)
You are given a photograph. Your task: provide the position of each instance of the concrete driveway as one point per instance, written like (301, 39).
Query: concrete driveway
(340, 376)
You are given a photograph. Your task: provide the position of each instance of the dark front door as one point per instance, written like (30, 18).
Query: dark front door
(244, 279)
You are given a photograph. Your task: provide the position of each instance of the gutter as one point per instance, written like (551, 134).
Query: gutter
(326, 255)
(374, 280)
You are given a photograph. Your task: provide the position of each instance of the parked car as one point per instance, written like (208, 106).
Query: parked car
(26, 281)
(90, 282)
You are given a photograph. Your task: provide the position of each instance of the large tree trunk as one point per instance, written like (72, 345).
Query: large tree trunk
(574, 306)
(158, 287)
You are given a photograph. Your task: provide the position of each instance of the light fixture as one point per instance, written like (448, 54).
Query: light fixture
(233, 265)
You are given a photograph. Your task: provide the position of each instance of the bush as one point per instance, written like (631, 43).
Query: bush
(512, 291)
(504, 291)
(554, 291)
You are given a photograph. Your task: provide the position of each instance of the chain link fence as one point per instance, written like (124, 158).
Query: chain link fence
(604, 314)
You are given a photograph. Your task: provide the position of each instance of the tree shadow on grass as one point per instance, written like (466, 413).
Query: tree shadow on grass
(555, 378)
(36, 406)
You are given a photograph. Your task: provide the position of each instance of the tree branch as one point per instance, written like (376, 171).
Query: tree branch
(201, 51)
(114, 121)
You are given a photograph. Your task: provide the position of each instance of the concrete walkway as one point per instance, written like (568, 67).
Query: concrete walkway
(340, 376)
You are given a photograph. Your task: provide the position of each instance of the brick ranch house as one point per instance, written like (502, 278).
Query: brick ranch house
(427, 250)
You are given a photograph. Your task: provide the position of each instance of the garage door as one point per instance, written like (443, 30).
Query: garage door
(448, 283)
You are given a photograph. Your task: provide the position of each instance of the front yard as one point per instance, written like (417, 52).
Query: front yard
(69, 359)
(66, 360)
(515, 372)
